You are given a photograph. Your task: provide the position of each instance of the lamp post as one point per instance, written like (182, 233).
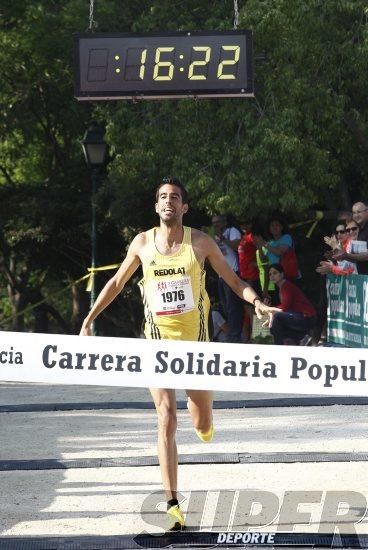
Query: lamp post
(94, 149)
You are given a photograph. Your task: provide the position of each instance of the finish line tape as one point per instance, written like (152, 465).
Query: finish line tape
(91, 360)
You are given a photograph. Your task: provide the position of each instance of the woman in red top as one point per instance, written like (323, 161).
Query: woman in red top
(247, 250)
(248, 270)
(296, 315)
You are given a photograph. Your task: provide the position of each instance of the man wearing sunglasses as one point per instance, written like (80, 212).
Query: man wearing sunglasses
(360, 216)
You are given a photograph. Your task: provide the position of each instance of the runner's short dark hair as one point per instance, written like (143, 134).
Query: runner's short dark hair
(173, 181)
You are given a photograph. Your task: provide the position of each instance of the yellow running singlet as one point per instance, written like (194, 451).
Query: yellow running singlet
(175, 300)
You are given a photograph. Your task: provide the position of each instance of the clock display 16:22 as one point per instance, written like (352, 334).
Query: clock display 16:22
(164, 62)
(163, 65)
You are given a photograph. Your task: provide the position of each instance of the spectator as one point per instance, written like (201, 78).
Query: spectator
(339, 237)
(220, 326)
(280, 249)
(228, 239)
(326, 266)
(247, 249)
(269, 294)
(248, 269)
(359, 249)
(341, 240)
(269, 290)
(352, 231)
(296, 315)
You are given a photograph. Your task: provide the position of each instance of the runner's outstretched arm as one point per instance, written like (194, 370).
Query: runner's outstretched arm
(241, 288)
(115, 285)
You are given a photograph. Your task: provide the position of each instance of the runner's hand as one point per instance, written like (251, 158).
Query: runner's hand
(262, 310)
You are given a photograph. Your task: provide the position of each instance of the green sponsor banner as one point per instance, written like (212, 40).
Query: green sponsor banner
(347, 311)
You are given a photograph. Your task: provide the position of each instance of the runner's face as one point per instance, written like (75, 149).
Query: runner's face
(170, 206)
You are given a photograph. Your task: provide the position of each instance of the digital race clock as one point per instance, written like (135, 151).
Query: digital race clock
(163, 65)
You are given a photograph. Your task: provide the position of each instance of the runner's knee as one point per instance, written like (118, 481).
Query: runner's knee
(167, 420)
(201, 414)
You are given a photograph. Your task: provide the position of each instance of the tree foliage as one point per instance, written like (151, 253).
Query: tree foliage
(293, 147)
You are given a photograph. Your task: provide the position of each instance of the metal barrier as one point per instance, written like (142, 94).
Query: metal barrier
(347, 310)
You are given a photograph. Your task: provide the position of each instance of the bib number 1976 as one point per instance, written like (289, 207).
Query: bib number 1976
(173, 296)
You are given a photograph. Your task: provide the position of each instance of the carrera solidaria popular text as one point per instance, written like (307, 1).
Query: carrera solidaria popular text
(195, 364)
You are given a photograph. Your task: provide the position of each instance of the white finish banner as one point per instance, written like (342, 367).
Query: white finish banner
(91, 360)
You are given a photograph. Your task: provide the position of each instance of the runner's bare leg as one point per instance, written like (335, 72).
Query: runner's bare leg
(165, 403)
(200, 408)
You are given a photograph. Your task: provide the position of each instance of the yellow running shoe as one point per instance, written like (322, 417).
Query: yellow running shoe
(206, 436)
(175, 515)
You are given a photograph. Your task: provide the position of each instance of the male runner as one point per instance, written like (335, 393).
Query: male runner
(180, 252)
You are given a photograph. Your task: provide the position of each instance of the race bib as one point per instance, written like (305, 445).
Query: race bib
(172, 297)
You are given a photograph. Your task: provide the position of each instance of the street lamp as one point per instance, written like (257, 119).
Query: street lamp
(95, 150)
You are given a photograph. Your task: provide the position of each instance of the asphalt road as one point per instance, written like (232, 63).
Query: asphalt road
(92, 471)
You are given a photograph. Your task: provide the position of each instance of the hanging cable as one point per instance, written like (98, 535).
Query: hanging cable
(92, 22)
(236, 14)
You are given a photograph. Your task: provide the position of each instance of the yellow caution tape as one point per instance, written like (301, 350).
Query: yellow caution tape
(314, 221)
(88, 277)
(93, 270)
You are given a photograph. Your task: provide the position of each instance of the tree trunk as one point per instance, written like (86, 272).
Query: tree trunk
(16, 301)
(15, 294)
(80, 307)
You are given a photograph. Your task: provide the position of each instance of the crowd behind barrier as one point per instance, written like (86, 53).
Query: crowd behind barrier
(267, 259)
